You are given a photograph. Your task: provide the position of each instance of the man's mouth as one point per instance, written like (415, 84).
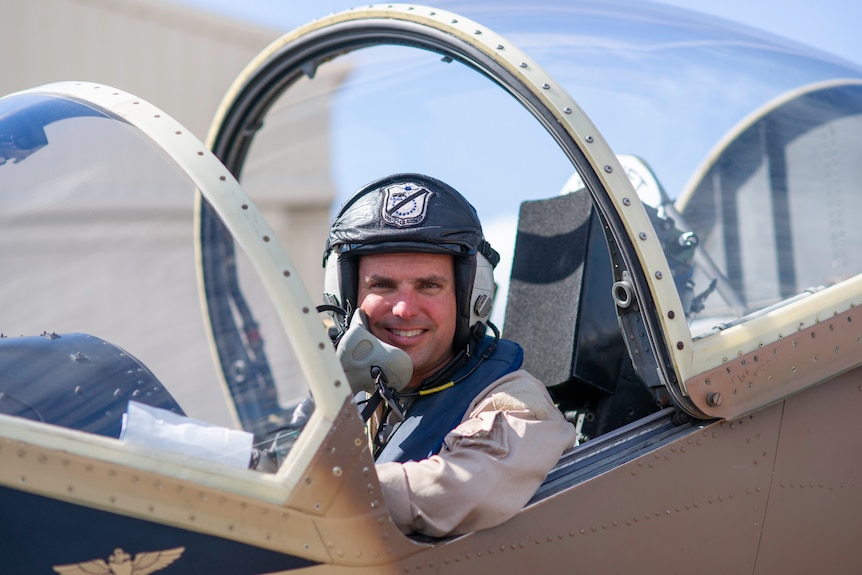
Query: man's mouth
(406, 332)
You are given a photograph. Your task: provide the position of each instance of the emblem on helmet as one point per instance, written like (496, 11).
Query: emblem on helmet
(405, 205)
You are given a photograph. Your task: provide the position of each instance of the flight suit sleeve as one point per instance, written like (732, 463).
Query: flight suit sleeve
(490, 466)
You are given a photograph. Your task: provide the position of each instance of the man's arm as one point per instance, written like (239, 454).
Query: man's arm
(489, 467)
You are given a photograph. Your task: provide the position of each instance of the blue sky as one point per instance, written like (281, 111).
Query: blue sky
(830, 25)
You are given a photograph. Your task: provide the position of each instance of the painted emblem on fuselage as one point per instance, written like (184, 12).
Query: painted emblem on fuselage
(121, 563)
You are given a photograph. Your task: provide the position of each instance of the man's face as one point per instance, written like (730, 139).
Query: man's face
(410, 303)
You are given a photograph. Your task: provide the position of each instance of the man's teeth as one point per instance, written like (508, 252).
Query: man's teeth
(407, 333)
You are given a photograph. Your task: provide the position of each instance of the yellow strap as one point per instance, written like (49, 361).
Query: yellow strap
(436, 389)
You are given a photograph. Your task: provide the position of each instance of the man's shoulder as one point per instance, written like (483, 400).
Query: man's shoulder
(517, 391)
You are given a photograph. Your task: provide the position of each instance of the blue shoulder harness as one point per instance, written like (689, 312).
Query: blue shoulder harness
(432, 416)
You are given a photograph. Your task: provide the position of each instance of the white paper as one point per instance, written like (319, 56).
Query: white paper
(162, 429)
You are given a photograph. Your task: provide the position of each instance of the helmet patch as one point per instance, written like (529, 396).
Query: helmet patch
(405, 205)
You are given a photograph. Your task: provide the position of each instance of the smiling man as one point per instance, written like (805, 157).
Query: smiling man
(410, 303)
(471, 436)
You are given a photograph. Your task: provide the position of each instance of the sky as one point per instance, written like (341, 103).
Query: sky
(830, 25)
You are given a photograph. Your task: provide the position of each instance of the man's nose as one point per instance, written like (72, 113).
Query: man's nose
(405, 304)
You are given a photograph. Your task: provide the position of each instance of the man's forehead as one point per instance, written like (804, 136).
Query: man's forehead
(406, 264)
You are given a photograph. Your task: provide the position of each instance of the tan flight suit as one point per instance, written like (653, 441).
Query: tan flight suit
(490, 466)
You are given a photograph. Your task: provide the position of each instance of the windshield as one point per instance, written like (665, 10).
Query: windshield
(409, 103)
(97, 228)
(101, 297)
(774, 205)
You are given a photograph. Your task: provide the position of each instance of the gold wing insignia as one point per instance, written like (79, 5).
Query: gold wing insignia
(152, 561)
(120, 563)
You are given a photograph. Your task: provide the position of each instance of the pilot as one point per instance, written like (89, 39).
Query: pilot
(464, 441)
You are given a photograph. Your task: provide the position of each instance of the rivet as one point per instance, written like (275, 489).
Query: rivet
(680, 345)
(658, 275)
(642, 235)
(589, 139)
(546, 86)
(336, 471)
(609, 169)
(523, 64)
(627, 202)
(568, 110)
(671, 314)
(714, 399)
